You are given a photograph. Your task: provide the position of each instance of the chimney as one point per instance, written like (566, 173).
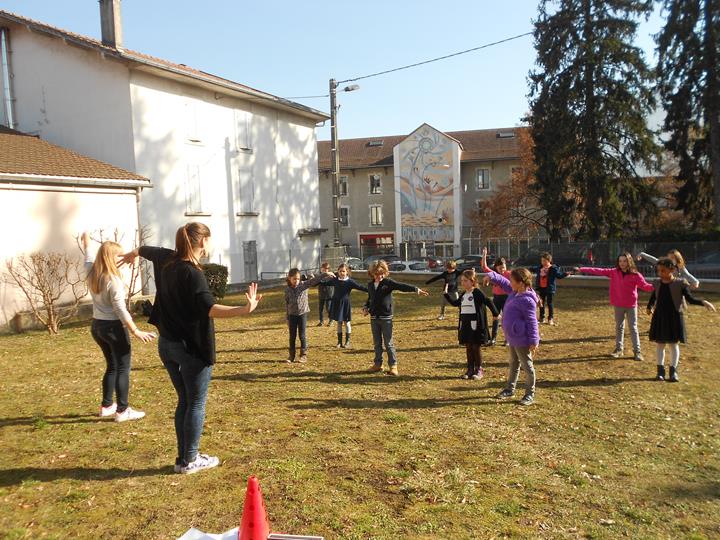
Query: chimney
(111, 23)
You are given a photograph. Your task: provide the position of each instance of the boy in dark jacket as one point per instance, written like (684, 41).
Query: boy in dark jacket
(380, 308)
(545, 277)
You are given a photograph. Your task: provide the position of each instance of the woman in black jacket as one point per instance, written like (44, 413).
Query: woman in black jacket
(183, 312)
(472, 325)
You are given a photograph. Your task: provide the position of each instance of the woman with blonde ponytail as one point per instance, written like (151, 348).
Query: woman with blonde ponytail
(111, 326)
(183, 312)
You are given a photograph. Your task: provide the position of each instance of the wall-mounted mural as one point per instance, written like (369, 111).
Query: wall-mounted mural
(425, 182)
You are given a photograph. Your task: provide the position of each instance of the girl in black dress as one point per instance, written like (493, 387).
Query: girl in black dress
(472, 326)
(340, 308)
(667, 326)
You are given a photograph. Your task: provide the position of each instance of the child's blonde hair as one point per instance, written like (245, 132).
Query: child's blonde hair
(451, 264)
(470, 275)
(104, 266)
(378, 267)
(679, 259)
(522, 275)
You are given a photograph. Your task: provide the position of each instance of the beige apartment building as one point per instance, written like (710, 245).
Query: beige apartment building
(415, 192)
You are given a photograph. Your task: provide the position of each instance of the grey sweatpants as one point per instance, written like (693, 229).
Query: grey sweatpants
(622, 313)
(520, 356)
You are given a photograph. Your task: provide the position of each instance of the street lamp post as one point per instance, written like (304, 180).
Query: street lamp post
(335, 158)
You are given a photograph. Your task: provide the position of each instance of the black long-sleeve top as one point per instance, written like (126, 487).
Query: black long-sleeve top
(450, 279)
(379, 303)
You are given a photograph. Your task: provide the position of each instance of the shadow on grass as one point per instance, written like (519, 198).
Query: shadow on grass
(248, 328)
(336, 377)
(430, 403)
(698, 491)
(11, 477)
(593, 339)
(41, 419)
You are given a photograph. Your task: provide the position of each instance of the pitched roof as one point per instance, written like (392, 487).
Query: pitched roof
(25, 157)
(166, 68)
(477, 145)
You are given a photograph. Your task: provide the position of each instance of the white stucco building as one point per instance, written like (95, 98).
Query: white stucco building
(242, 161)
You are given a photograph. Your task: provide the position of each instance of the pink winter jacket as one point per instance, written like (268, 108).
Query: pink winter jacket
(623, 286)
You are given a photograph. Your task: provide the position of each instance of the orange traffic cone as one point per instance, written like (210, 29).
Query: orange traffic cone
(254, 524)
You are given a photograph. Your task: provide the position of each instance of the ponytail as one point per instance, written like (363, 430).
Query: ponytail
(187, 238)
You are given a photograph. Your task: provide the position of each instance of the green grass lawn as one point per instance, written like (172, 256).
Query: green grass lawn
(605, 451)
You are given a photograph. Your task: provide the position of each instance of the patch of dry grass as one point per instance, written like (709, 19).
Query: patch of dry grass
(604, 452)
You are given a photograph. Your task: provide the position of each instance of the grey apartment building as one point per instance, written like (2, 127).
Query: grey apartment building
(415, 191)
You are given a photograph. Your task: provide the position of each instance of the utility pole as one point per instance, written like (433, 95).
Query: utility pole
(335, 163)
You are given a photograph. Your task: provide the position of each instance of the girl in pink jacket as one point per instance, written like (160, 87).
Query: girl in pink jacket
(625, 281)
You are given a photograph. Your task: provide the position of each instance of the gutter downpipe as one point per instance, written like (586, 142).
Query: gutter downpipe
(8, 100)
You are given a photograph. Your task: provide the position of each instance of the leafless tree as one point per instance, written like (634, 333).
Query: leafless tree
(53, 284)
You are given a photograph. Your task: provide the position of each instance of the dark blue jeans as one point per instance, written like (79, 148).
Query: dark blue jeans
(114, 341)
(190, 377)
(297, 324)
(324, 305)
(382, 331)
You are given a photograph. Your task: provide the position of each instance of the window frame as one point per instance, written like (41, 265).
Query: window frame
(486, 177)
(374, 207)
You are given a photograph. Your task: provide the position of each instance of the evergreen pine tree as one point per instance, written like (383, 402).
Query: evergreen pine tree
(590, 98)
(689, 82)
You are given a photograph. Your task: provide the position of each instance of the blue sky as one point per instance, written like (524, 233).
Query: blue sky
(291, 48)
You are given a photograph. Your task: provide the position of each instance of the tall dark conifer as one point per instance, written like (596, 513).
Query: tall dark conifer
(689, 82)
(590, 98)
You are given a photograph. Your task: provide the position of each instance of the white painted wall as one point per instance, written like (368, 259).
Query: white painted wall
(282, 164)
(72, 97)
(50, 220)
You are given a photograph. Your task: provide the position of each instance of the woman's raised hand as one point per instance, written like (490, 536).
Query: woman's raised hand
(128, 258)
(253, 298)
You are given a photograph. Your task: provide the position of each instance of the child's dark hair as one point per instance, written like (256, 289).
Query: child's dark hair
(470, 275)
(546, 255)
(500, 261)
(522, 275)
(666, 262)
(631, 262)
(346, 267)
(292, 273)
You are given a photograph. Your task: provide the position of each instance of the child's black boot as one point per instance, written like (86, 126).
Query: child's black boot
(348, 345)
(661, 373)
(340, 343)
(673, 375)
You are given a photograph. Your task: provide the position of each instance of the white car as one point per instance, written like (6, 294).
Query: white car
(417, 267)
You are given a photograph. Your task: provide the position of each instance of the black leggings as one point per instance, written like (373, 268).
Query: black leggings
(114, 341)
(547, 300)
(474, 358)
(499, 301)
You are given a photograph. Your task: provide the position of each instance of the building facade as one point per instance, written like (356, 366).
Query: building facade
(417, 193)
(240, 160)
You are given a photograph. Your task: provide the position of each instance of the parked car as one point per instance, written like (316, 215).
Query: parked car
(566, 256)
(706, 266)
(432, 262)
(409, 266)
(471, 261)
(354, 263)
(388, 258)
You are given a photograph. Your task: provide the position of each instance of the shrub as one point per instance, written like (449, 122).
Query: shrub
(217, 278)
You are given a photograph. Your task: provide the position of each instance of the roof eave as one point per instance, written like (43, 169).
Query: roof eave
(20, 178)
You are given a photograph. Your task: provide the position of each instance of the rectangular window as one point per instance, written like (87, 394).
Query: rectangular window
(376, 215)
(482, 179)
(343, 186)
(345, 216)
(375, 184)
(245, 192)
(243, 131)
(192, 121)
(193, 191)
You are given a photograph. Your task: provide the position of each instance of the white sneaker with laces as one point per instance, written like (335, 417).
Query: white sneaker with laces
(128, 414)
(201, 462)
(107, 411)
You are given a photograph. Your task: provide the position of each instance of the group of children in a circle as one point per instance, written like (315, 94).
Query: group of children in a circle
(516, 298)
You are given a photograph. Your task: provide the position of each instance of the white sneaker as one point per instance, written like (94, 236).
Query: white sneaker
(202, 462)
(128, 414)
(107, 411)
(441, 317)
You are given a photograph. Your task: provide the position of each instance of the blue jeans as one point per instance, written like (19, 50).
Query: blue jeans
(297, 324)
(114, 341)
(382, 331)
(190, 377)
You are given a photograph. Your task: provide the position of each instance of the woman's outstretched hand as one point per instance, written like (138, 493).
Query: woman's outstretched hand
(253, 298)
(128, 258)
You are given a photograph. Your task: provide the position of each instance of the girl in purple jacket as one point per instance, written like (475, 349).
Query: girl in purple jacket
(625, 281)
(521, 329)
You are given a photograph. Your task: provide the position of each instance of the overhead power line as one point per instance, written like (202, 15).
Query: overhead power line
(420, 63)
(437, 59)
